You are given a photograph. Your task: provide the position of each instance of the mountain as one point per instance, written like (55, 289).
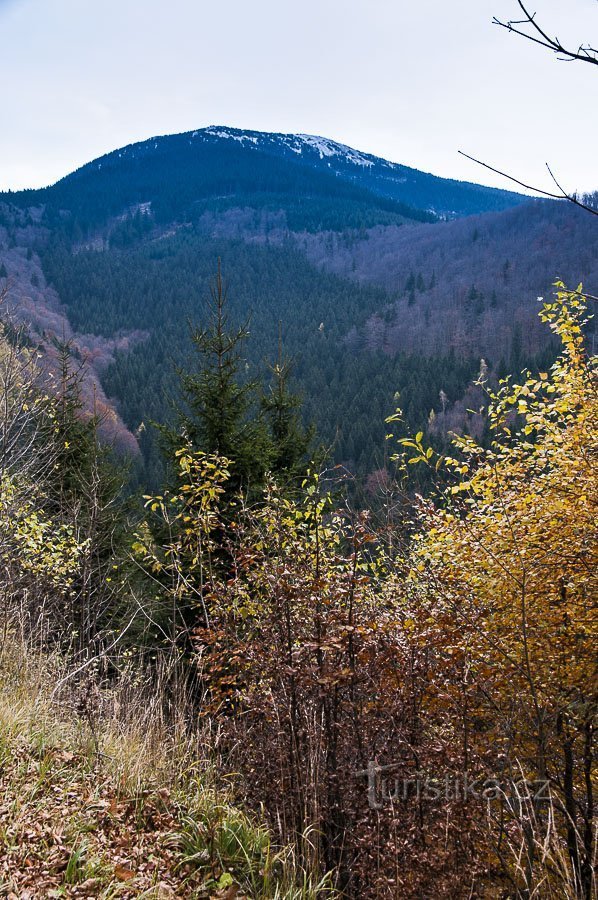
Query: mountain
(440, 196)
(472, 284)
(179, 174)
(385, 279)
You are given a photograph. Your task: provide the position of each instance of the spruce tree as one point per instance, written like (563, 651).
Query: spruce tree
(222, 414)
(290, 439)
(75, 434)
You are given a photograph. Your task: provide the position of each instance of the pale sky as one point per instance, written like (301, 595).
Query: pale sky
(410, 81)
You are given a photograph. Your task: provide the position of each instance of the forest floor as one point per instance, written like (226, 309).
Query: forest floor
(110, 810)
(67, 829)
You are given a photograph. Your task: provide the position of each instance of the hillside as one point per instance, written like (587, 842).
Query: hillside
(177, 174)
(111, 802)
(247, 686)
(384, 279)
(471, 284)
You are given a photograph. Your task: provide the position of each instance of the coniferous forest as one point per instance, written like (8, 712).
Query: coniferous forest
(371, 297)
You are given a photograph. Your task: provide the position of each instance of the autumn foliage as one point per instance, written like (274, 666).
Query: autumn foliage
(510, 559)
(360, 679)
(410, 706)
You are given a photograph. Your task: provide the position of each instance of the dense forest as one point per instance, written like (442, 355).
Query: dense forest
(372, 297)
(161, 286)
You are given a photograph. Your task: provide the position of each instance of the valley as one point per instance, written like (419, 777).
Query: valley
(385, 281)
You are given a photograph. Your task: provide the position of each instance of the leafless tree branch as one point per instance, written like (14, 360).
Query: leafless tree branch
(529, 28)
(562, 195)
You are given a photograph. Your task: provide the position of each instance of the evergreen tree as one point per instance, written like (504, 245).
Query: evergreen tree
(75, 434)
(290, 439)
(222, 417)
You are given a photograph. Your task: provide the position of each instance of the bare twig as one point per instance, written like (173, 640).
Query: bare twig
(93, 659)
(536, 34)
(563, 195)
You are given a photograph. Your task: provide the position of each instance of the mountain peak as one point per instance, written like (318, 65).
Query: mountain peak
(235, 134)
(181, 170)
(323, 146)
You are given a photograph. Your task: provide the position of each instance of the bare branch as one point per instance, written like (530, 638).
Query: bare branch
(563, 195)
(537, 35)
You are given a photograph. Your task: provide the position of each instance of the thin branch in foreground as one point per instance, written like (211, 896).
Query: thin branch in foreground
(583, 53)
(563, 195)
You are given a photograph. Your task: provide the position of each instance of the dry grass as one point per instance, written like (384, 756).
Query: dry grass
(534, 853)
(104, 794)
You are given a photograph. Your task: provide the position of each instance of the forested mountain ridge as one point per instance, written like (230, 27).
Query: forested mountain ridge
(381, 285)
(176, 172)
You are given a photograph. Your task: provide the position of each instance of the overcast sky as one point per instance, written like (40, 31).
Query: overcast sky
(413, 82)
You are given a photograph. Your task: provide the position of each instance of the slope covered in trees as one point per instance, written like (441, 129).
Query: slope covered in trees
(375, 297)
(470, 284)
(409, 706)
(161, 285)
(314, 179)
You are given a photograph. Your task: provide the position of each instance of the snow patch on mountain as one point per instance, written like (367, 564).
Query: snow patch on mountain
(236, 136)
(326, 147)
(297, 143)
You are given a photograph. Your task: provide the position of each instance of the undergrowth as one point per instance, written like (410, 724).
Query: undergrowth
(102, 796)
